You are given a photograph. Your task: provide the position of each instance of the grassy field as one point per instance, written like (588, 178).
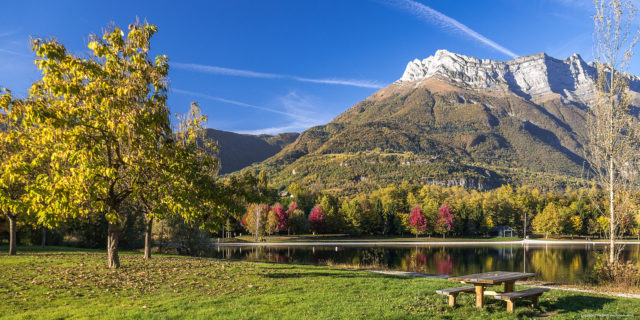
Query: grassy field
(71, 283)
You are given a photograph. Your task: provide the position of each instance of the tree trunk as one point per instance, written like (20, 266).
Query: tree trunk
(524, 231)
(257, 221)
(147, 239)
(112, 245)
(612, 236)
(12, 234)
(44, 237)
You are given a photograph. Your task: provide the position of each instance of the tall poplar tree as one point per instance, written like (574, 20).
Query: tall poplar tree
(612, 147)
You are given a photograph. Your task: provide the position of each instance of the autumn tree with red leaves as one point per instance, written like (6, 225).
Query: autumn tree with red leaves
(445, 221)
(283, 217)
(417, 222)
(316, 219)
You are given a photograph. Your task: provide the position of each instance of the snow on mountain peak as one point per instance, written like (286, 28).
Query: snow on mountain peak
(529, 76)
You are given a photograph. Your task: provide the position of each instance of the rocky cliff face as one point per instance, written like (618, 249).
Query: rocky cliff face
(531, 77)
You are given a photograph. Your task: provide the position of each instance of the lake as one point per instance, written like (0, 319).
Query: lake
(561, 263)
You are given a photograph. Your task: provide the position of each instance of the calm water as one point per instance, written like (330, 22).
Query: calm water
(563, 263)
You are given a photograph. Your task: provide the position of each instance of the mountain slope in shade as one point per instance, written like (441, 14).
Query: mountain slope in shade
(238, 151)
(454, 120)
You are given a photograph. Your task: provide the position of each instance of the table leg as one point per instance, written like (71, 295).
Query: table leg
(452, 300)
(508, 286)
(479, 295)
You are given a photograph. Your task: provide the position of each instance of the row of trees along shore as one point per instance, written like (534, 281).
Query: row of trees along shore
(436, 210)
(94, 138)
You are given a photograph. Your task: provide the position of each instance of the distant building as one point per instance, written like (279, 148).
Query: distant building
(284, 193)
(502, 231)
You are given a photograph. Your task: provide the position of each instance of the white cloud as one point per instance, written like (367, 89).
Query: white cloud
(255, 74)
(224, 71)
(272, 130)
(446, 22)
(228, 101)
(8, 33)
(2, 50)
(300, 111)
(344, 82)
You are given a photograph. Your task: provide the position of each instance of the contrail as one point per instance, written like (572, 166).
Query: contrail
(225, 71)
(293, 104)
(7, 33)
(237, 103)
(255, 74)
(445, 21)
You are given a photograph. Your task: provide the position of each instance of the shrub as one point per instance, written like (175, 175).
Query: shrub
(625, 276)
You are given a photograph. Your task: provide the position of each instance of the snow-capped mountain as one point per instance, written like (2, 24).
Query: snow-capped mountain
(531, 77)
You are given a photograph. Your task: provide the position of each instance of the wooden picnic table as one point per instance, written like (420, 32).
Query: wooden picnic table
(482, 280)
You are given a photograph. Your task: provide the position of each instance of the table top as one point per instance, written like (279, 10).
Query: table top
(494, 277)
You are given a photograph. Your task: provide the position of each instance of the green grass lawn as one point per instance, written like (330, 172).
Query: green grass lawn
(73, 283)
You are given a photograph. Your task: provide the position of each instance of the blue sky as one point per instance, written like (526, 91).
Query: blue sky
(277, 66)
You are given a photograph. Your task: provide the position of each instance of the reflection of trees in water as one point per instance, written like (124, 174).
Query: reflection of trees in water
(374, 257)
(553, 263)
(281, 258)
(428, 261)
(415, 261)
(631, 253)
(444, 263)
(564, 265)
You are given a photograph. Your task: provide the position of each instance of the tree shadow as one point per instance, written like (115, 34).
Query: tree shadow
(354, 275)
(575, 303)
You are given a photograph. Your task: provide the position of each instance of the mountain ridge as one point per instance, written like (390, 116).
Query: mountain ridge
(456, 118)
(237, 151)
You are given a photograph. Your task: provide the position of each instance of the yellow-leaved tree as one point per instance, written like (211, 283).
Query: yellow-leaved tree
(179, 178)
(17, 174)
(101, 119)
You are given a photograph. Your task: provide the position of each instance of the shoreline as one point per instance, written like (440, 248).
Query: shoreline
(410, 243)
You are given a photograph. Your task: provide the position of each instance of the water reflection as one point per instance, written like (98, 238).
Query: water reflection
(550, 262)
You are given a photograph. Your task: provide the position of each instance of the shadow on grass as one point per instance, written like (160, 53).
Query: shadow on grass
(575, 303)
(36, 249)
(332, 275)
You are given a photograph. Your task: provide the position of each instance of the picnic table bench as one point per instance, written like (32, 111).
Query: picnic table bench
(511, 297)
(452, 293)
(481, 280)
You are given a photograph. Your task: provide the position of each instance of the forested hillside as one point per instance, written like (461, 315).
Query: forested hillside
(237, 151)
